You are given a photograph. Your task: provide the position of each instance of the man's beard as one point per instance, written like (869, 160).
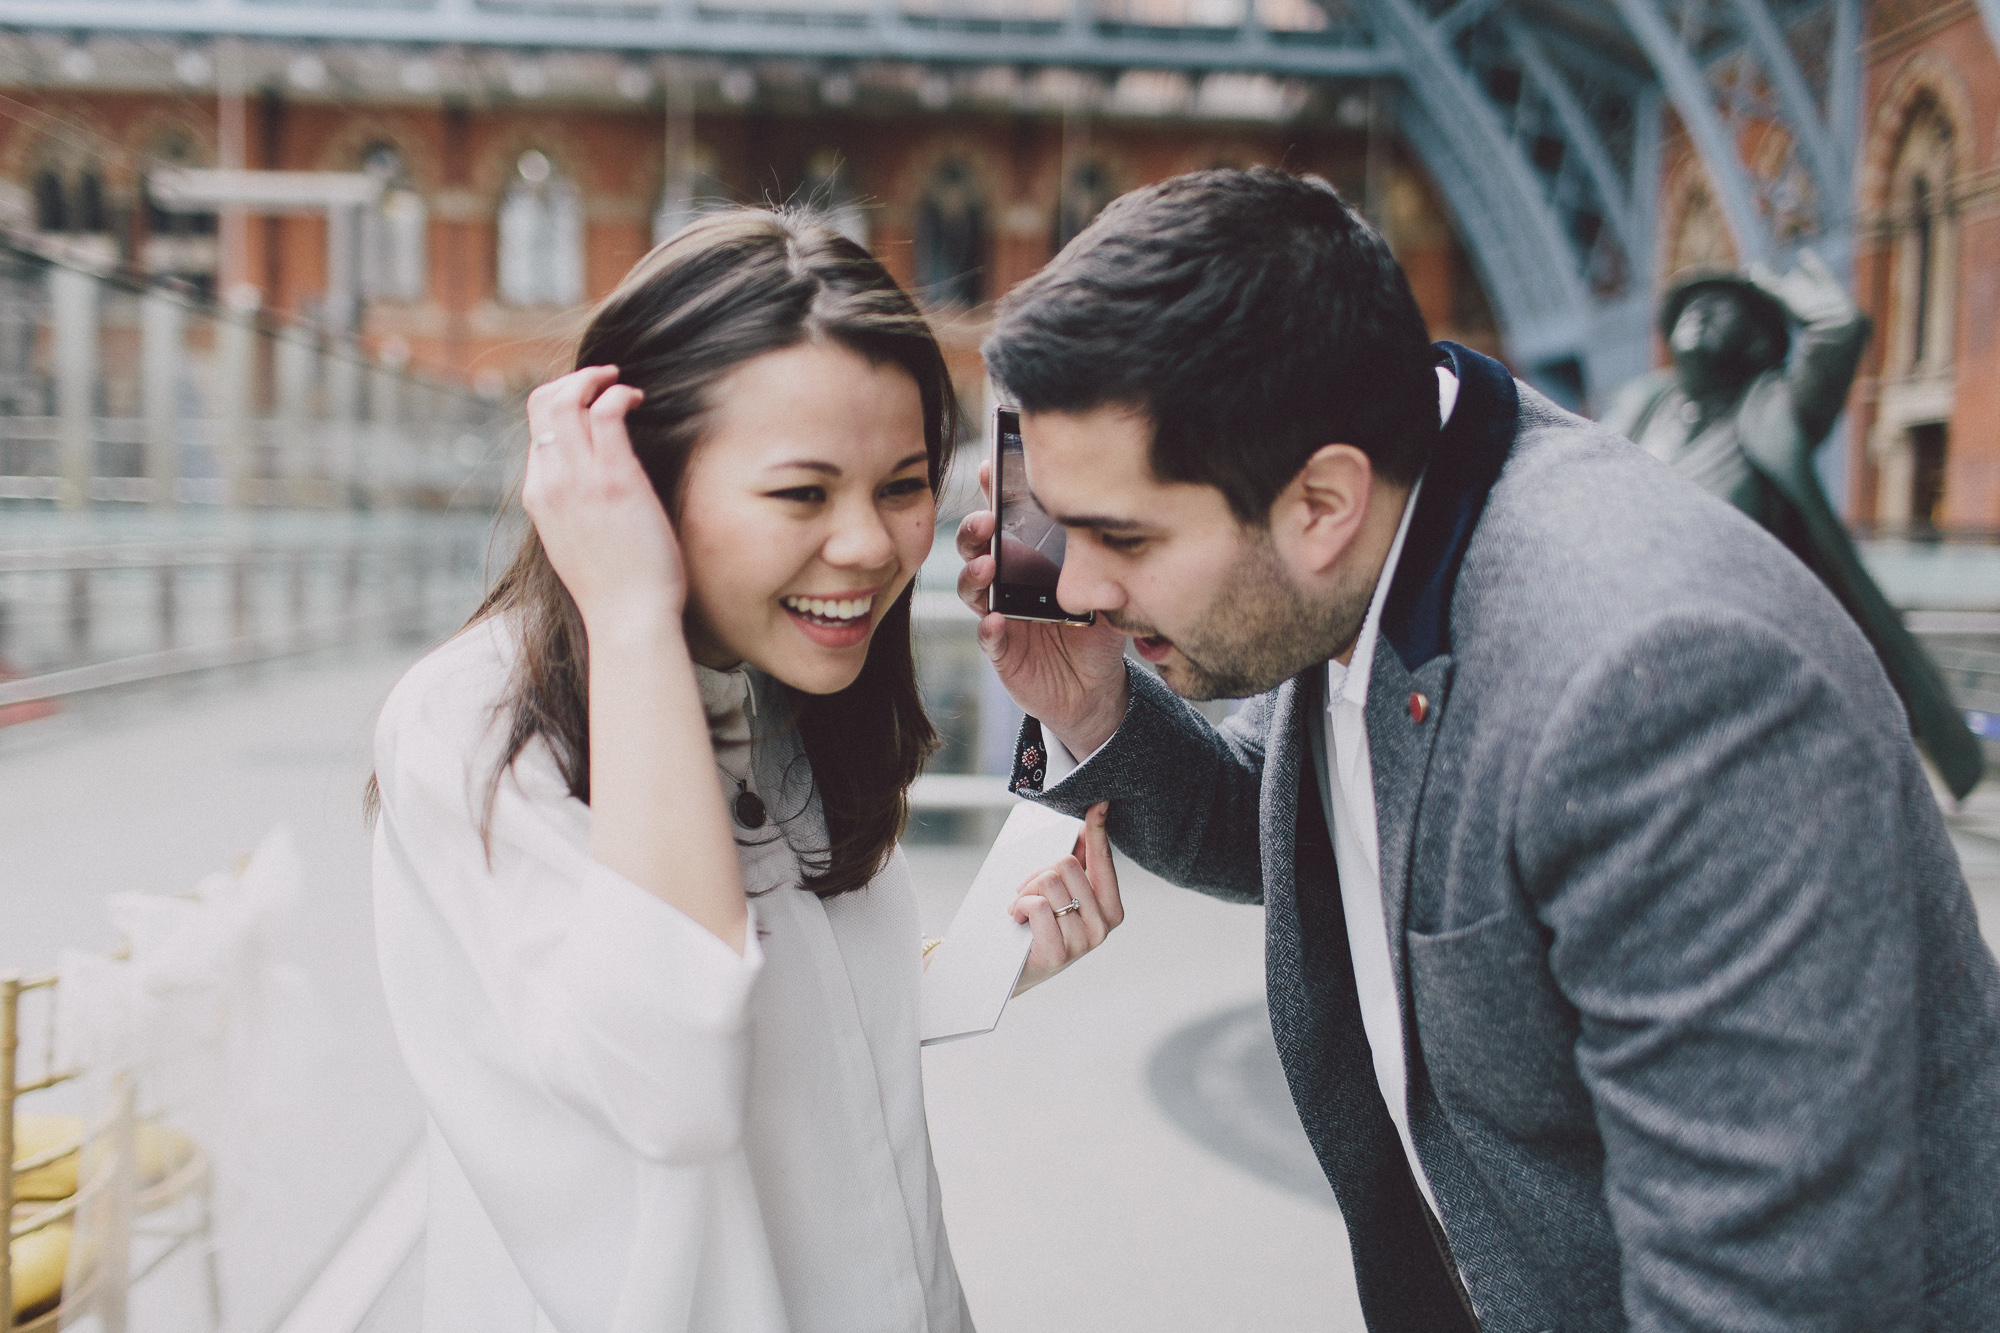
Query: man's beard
(1259, 630)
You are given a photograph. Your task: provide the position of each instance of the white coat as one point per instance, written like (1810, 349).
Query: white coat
(632, 1128)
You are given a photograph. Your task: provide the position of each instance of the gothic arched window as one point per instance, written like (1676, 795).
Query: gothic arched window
(51, 201)
(951, 237)
(1923, 258)
(393, 231)
(541, 235)
(69, 199)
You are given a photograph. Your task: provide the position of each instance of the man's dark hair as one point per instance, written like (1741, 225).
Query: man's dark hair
(1250, 315)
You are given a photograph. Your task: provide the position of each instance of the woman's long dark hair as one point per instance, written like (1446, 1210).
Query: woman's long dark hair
(721, 291)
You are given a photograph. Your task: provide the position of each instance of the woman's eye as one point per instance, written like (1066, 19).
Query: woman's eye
(906, 486)
(802, 494)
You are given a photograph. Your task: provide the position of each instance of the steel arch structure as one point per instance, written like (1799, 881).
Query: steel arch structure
(1540, 120)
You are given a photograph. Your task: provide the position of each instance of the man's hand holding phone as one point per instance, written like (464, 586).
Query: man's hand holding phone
(1072, 677)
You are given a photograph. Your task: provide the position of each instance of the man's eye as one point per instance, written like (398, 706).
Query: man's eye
(1123, 544)
(803, 494)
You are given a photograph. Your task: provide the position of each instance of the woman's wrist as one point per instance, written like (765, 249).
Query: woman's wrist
(645, 627)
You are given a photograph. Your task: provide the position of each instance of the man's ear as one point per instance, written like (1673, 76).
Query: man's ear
(1315, 519)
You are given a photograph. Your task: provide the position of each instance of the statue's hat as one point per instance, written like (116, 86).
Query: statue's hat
(1758, 304)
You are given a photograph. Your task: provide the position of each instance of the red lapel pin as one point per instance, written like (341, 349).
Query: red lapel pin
(1420, 708)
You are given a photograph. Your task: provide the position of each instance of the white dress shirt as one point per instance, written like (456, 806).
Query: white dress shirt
(633, 1129)
(1356, 850)
(1356, 845)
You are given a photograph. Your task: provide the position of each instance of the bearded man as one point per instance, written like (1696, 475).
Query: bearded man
(1623, 974)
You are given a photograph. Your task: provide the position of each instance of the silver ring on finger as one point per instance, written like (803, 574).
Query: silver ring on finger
(549, 438)
(1075, 905)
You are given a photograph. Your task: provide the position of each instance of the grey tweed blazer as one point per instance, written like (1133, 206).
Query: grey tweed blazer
(1701, 1030)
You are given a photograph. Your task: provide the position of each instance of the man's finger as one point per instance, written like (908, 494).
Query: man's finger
(975, 534)
(1099, 867)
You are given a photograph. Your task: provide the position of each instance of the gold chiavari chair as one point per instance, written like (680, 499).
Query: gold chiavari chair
(75, 1182)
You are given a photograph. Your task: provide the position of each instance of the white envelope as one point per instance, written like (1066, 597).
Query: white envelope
(972, 974)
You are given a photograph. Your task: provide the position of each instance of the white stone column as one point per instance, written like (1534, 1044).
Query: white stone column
(162, 342)
(73, 300)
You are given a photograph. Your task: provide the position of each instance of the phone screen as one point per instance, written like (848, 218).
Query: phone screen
(1029, 552)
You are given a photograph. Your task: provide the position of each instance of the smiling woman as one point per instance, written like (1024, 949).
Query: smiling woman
(785, 352)
(670, 1056)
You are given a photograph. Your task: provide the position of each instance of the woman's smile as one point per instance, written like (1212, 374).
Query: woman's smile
(843, 620)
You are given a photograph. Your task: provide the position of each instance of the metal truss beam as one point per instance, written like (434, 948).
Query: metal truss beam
(1525, 222)
(1582, 135)
(881, 32)
(1466, 13)
(1531, 269)
(1693, 100)
(1795, 101)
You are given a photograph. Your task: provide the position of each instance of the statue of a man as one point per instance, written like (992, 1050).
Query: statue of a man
(1741, 417)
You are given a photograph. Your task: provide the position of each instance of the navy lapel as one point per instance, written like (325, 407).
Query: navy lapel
(1471, 449)
(1410, 678)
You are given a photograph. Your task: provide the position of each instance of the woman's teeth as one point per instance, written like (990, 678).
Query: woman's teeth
(821, 608)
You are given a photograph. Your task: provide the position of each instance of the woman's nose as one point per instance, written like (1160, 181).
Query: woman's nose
(860, 540)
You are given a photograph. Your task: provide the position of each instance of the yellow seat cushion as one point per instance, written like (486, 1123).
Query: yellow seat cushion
(161, 1152)
(35, 1135)
(40, 1257)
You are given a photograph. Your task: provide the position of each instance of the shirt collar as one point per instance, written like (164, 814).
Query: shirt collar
(1349, 683)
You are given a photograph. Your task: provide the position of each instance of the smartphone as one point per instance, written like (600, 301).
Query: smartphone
(1027, 543)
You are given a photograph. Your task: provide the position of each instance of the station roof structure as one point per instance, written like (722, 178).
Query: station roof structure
(1539, 120)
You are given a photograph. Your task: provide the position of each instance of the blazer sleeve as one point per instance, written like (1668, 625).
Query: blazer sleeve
(1183, 791)
(1708, 832)
(623, 1007)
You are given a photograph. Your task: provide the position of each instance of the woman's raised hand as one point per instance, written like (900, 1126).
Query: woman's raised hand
(1086, 877)
(600, 521)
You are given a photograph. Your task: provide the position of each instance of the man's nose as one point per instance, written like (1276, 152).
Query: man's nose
(1084, 585)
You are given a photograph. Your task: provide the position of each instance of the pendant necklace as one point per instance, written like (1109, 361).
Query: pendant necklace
(748, 807)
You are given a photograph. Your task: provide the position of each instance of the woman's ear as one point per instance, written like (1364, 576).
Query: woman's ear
(1314, 520)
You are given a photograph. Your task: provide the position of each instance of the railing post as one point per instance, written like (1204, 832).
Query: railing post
(350, 583)
(162, 335)
(295, 356)
(236, 354)
(298, 598)
(79, 614)
(239, 595)
(343, 402)
(383, 471)
(73, 312)
(167, 603)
